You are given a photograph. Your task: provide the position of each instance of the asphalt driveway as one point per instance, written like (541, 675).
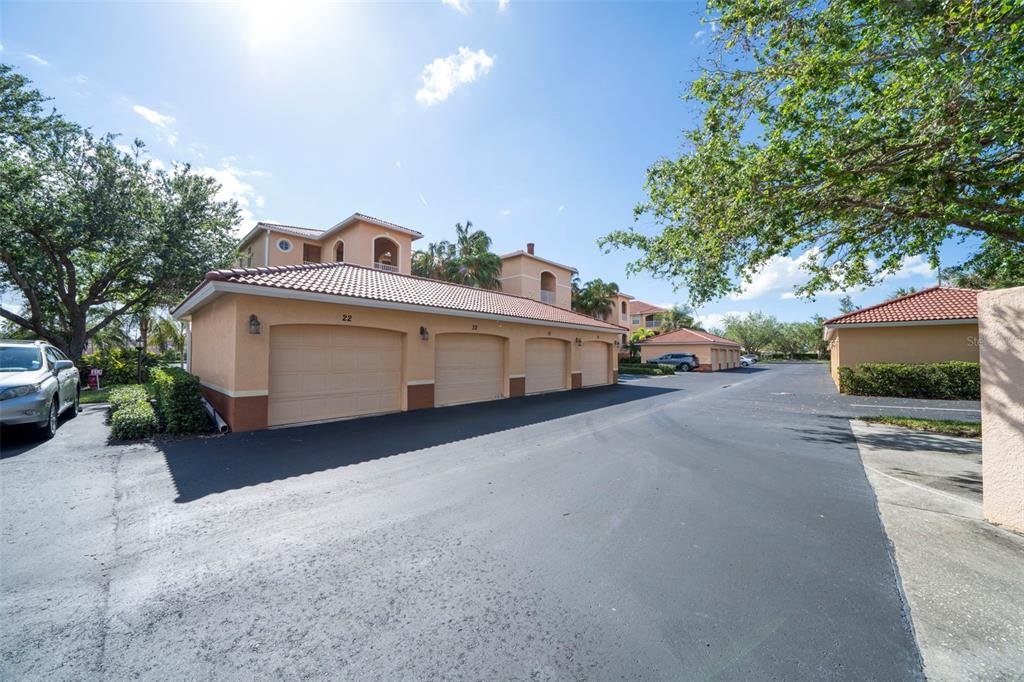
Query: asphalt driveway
(703, 526)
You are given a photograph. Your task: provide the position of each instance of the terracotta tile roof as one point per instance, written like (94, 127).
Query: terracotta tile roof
(309, 232)
(688, 336)
(639, 308)
(342, 279)
(936, 303)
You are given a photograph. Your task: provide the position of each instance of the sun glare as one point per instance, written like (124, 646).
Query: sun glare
(274, 22)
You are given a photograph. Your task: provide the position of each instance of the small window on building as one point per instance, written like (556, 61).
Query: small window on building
(636, 319)
(284, 245)
(339, 252)
(310, 253)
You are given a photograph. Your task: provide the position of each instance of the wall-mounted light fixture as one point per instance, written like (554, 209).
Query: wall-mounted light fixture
(424, 334)
(616, 343)
(579, 342)
(254, 324)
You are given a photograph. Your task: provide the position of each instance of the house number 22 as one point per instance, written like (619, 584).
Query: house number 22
(346, 318)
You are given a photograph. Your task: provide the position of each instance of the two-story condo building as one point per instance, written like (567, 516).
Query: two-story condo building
(329, 324)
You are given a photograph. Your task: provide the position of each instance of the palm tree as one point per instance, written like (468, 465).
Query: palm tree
(677, 317)
(433, 262)
(596, 298)
(468, 261)
(635, 339)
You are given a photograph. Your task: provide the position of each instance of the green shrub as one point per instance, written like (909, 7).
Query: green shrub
(123, 395)
(119, 365)
(178, 400)
(938, 380)
(628, 368)
(133, 420)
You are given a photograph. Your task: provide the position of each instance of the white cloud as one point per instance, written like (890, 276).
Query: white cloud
(506, 211)
(424, 200)
(457, 5)
(502, 5)
(561, 208)
(234, 185)
(37, 59)
(154, 117)
(699, 34)
(781, 273)
(717, 320)
(398, 164)
(81, 80)
(442, 76)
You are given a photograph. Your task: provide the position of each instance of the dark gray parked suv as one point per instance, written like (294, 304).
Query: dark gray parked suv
(37, 384)
(683, 362)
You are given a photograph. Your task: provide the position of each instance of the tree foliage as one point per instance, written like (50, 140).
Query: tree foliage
(860, 132)
(91, 233)
(754, 331)
(468, 260)
(596, 298)
(677, 317)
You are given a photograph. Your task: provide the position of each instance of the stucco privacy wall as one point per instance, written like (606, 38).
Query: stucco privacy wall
(904, 343)
(243, 368)
(1001, 331)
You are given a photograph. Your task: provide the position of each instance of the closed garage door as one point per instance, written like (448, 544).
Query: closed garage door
(545, 365)
(468, 368)
(595, 363)
(328, 372)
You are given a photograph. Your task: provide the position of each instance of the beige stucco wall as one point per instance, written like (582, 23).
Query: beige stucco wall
(520, 276)
(214, 330)
(910, 344)
(225, 354)
(358, 237)
(703, 352)
(1001, 335)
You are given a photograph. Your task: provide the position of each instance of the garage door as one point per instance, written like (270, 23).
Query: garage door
(545, 365)
(595, 363)
(468, 368)
(329, 372)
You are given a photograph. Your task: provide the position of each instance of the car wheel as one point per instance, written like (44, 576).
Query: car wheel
(49, 428)
(684, 367)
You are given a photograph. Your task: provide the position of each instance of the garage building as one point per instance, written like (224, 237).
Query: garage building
(714, 353)
(311, 342)
(934, 325)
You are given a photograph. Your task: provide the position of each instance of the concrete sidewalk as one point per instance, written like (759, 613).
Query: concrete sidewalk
(963, 577)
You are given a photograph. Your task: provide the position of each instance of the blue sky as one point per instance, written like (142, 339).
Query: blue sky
(534, 120)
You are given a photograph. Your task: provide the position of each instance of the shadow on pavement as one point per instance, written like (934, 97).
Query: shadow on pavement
(838, 433)
(204, 466)
(17, 440)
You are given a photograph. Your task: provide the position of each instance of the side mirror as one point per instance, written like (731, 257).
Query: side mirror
(61, 365)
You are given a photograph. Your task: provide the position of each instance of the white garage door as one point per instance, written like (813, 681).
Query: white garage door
(595, 363)
(468, 368)
(328, 372)
(545, 365)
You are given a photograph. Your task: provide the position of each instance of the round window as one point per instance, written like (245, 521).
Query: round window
(284, 245)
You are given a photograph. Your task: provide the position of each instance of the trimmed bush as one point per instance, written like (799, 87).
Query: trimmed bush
(178, 400)
(134, 420)
(124, 395)
(626, 368)
(937, 380)
(118, 365)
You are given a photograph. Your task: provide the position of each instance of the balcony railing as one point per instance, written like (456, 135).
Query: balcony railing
(547, 296)
(386, 267)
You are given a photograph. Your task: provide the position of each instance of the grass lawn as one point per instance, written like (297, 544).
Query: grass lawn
(949, 427)
(95, 396)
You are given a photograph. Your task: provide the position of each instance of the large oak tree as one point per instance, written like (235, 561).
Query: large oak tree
(862, 132)
(90, 232)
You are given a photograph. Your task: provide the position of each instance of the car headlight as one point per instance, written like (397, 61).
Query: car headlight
(18, 391)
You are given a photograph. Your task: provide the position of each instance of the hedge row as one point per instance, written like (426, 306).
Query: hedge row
(626, 368)
(178, 400)
(179, 406)
(133, 420)
(938, 380)
(119, 365)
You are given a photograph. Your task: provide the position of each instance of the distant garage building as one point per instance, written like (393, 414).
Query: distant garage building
(714, 353)
(313, 341)
(934, 325)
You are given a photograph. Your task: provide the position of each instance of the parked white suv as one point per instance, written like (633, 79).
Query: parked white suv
(748, 359)
(37, 384)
